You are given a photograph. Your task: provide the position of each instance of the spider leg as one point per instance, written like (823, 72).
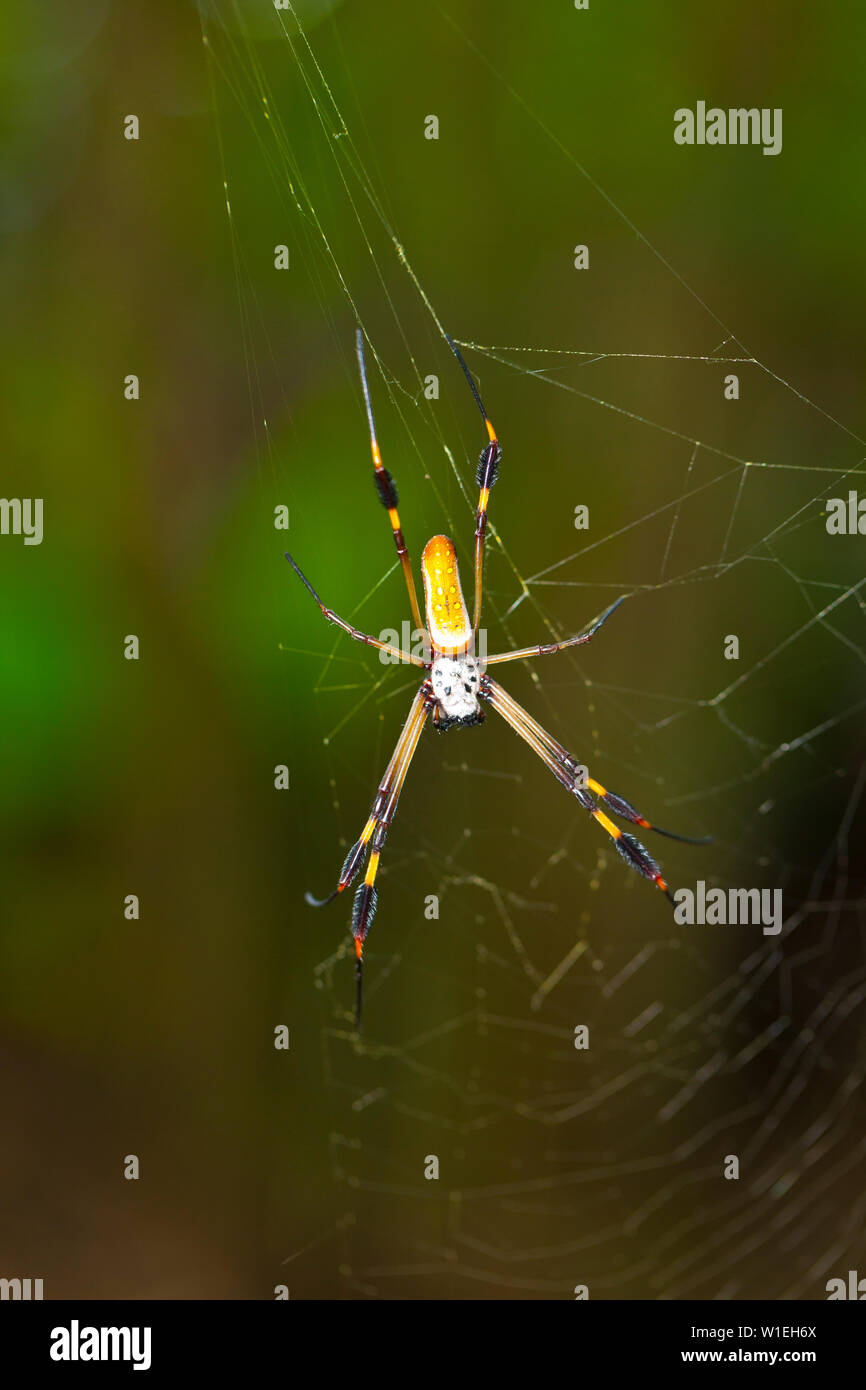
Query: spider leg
(626, 811)
(359, 636)
(485, 476)
(375, 833)
(615, 803)
(387, 490)
(568, 771)
(547, 648)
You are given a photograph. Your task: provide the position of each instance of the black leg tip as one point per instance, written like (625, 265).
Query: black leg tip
(320, 902)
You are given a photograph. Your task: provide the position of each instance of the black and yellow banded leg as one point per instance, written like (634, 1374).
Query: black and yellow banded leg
(623, 808)
(569, 772)
(488, 470)
(397, 767)
(485, 477)
(387, 490)
(352, 862)
(366, 897)
(375, 832)
(615, 803)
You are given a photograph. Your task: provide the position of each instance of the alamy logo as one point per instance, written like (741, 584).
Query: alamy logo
(855, 1287)
(23, 1289)
(846, 519)
(22, 516)
(738, 907)
(415, 640)
(75, 1343)
(737, 126)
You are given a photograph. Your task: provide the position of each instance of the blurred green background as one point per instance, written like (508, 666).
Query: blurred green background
(155, 777)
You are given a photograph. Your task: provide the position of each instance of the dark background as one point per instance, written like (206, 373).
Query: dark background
(155, 777)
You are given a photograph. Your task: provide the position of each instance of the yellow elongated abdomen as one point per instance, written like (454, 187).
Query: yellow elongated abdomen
(447, 618)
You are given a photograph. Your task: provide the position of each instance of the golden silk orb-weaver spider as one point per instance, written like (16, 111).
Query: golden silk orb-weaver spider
(457, 682)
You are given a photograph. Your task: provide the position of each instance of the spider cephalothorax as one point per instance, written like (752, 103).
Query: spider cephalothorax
(455, 686)
(455, 682)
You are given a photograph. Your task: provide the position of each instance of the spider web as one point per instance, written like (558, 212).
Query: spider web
(558, 1166)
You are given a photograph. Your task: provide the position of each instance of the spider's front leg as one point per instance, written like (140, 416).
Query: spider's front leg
(486, 475)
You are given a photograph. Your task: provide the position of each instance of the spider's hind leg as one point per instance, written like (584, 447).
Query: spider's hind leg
(569, 772)
(375, 831)
(352, 862)
(626, 811)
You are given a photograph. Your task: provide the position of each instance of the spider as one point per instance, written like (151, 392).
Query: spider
(456, 683)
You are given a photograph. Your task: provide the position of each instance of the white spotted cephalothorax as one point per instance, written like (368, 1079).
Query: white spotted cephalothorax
(455, 686)
(455, 682)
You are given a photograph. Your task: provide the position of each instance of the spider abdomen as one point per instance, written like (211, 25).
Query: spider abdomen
(447, 619)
